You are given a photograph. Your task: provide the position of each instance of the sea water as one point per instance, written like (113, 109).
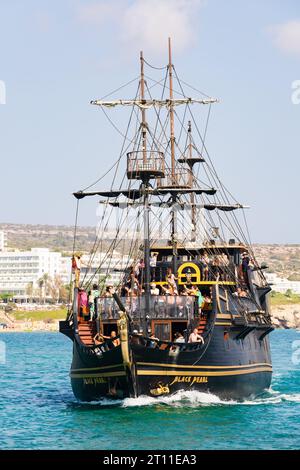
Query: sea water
(39, 411)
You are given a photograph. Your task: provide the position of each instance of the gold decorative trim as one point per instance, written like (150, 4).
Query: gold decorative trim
(97, 368)
(104, 374)
(204, 373)
(155, 364)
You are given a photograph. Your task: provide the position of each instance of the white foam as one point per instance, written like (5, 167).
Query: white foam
(194, 398)
(180, 398)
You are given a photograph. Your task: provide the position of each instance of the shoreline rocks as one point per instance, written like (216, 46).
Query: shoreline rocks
(286, 316)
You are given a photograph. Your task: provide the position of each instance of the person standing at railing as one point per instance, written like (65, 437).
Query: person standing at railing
(94, 295)
(153, 264)
(154, 290)
(108, 302)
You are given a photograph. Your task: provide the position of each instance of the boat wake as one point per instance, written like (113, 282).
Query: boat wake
(194, 399)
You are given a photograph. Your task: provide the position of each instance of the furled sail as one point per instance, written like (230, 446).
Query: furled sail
(146, 104)
(138, 193)
(178, 205)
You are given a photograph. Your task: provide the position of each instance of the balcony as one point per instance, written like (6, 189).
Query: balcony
(145, 165)
(161, 307)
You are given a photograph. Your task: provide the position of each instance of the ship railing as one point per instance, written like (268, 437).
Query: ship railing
(172, 347)
(161, 307)
(148, 163)
(249, 310)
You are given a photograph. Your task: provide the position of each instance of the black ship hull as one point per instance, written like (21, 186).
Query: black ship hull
(230, 369)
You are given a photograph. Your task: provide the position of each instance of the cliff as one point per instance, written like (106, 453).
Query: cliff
(286, 316)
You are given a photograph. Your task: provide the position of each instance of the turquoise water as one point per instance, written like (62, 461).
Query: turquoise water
(38, 410)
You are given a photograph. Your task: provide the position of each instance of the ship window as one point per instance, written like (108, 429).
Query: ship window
(162, 331)
(108, 328)
(178, 327)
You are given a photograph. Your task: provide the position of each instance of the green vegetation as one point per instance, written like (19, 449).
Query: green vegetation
(277, 298)
(40, 315)
(6, 296)
(294, 277)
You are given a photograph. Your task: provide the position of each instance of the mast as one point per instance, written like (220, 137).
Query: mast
(146, 194)
(173, 175)
(172, 133)
(193, 208)
(143, 110)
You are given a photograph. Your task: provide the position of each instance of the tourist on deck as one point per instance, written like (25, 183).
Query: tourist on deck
(195, 337)
(240, 293)
(153, 263)
(199, 297)
(188, 286)
(138, 270)
(207, 303)
(94, 295)
(171, 279)
(170, 290)
(108, 301)
(245, 267)
(83, 306)
(115, 341)
(224, 267)
(205, 261)
(178, 337)
(132, 284)
(153, 343)
(154, 290)
(98, 339)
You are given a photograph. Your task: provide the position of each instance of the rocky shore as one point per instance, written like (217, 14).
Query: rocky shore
(286, 316)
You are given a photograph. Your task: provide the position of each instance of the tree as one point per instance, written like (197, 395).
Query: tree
(64, 293)
(44, 283)
(289, 293)
(29, 290)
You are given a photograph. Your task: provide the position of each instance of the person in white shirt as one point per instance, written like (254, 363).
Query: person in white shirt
(154, 289)
(195, 337)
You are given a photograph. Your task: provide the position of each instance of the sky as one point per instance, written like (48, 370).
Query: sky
(57, 55)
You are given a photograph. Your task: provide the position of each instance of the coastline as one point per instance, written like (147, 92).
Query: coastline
(286, 316)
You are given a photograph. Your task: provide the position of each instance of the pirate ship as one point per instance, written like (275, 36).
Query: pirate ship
(189, 306)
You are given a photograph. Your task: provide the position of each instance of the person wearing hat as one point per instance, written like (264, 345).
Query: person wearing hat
(245, 266)
(188, 286)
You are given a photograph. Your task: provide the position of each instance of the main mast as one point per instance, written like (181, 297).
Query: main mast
(146, 192)
(172, 131)
(143, 111)
(173, 173)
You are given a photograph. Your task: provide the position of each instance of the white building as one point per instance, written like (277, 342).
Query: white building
(19, 269)
(102, 265)
(280, 284)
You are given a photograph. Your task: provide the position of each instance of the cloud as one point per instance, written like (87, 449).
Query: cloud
(150, 22)
(286, 36)
(147, 23)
